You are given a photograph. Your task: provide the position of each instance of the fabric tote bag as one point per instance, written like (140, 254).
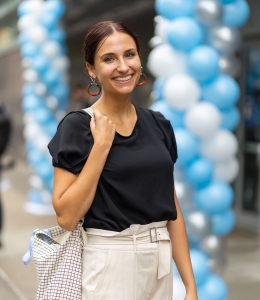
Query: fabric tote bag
(57, 255)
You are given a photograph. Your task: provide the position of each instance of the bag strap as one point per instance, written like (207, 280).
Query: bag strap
(89, 111)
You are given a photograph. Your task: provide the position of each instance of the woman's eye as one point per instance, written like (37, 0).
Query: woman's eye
(108, 59)
(130, 54)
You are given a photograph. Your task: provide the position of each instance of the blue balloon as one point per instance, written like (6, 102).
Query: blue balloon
(23, 38)
(199, 171)
(214, 288)
(187, 144)
(55, 6)
(230, 118)
(184, 34)
(49, 21)
(172, 9)
(215, 197)
(236, 13)
(203, 63)
(34, 157)
(223, 223)
(60, 91)
(29, 50)
(57, 35)
(34, 196)
(22, 9)
(43, 115)
(228, 1)
(174, 116)
(51, 77)
(31, 102)
(223, 91)
(44, 170)
(27, 89)
(40, 64)
(51, 128)
(200, 266)
(158, 87)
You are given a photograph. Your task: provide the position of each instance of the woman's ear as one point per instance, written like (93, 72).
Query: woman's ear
(91, 70)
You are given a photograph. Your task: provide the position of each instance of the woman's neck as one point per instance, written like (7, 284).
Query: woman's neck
(114, 106)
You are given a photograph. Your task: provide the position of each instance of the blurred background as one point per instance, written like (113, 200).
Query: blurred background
(25, 167)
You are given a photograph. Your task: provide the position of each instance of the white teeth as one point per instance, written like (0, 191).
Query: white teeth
(123, 78)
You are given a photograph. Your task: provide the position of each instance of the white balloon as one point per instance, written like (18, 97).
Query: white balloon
(27, 117)
(35, 7)
(52, 102)
(60, 114)
(36, 182)
(26, 62)
(61, 63)
(31, 131)
(182, 91)
(26, 22)
(46, 197)
(37, 34)
(179, 290)
(41, 142)
(221, 147)
(227, 170)
(51, 49)
(164, 61)
(161, 29)
(203, 119)
(40, 89)
(30, 75)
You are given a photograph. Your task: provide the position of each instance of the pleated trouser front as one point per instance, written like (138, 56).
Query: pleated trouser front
(134, 264)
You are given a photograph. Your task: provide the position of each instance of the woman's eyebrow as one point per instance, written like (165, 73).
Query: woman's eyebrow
(111, 53)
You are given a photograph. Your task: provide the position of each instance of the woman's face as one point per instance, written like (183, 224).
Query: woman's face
(117, 64)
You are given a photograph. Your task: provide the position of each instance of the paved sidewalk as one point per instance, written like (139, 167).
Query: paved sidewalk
(21, 283)
(18, 282)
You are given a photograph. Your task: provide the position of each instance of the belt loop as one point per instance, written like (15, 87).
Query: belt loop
(84, 236)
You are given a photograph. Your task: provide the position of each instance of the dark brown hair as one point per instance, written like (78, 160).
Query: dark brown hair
(100, 31)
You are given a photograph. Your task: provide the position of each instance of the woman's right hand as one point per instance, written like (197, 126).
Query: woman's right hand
(102, 129)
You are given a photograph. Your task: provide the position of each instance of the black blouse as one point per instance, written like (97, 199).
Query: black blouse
(136, 184)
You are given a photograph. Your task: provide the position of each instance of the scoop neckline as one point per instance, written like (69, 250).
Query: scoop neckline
(134, 128)
(135, 125)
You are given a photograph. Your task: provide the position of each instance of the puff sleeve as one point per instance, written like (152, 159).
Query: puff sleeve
(168, 133)
(72, 143)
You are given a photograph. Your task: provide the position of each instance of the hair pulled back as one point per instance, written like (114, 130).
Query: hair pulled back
(100, 31)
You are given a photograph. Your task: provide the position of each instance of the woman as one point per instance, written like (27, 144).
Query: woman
(116, 170)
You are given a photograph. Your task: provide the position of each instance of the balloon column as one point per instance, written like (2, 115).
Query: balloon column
(45, 91)
(194, 62)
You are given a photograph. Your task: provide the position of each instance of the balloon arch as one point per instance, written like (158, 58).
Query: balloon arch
(195, 65)
(45, 91)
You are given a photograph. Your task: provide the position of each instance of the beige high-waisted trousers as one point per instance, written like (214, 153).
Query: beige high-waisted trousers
(134, 264)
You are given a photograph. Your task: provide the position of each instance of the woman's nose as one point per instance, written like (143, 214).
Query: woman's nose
(122, 66)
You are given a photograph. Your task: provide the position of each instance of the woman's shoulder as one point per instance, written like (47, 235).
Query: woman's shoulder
(76, 118)
(158, 116)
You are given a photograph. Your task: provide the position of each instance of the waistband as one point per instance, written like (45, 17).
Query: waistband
(155, 232)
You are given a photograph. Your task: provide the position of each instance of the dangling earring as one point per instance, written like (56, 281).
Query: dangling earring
(144, 78)
(96, 84)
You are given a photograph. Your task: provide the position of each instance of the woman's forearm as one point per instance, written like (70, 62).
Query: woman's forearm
(74, 203)
(180, 249)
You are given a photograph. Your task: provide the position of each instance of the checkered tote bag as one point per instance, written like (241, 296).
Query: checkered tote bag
(57, 256)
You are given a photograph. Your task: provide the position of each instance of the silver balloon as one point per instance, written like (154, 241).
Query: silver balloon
(184, 194)
(226, 39)
(209, 12)
(231, 65)
(217, 264)
(213, 245)
(198, 225)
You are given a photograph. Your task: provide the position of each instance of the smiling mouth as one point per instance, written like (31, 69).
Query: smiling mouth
(123, 79)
